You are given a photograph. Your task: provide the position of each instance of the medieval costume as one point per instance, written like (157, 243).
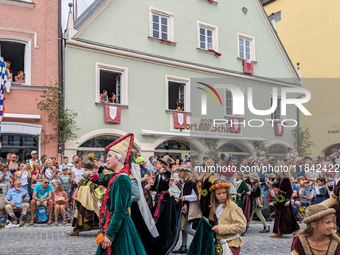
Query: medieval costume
(117, 224)
(168, 212)
(242, 189)
(257, 201)
(285, 222)
(207, 181)
(230, 223)
(302, 246)
(190, 206)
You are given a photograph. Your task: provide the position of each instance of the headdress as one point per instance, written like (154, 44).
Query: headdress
(219, 186)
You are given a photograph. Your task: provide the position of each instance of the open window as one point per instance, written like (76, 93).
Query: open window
(14, 52)
(176, 90)
(277, 114)
(113, 80)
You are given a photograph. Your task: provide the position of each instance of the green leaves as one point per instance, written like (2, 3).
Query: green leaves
(302, 141)
(213, 150)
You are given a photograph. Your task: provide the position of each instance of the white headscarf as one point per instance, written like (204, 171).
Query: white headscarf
(143, 206)
(120, 157)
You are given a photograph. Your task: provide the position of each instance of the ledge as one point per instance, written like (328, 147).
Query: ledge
(120, 105)
(17, 85)
(18, 3)
(234, 116)
(209, 52)
(241, 59)
(162, 41)
(21, 116)
(172, 111)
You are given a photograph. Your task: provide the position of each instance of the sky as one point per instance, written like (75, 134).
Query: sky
(82, 5)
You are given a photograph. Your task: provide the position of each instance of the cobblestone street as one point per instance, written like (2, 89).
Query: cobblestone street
(54, 240)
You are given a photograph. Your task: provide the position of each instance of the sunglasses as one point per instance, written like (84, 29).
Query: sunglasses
(46, 182)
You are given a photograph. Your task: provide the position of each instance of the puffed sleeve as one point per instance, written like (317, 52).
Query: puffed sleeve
(121, 195)
(238, 226)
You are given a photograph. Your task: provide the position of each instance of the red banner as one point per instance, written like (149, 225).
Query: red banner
(180, 120)
(235, 125)
(248, 67)
(112, 114)
(278, 128)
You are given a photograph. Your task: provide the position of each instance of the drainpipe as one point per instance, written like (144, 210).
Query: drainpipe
(60, 58)
(298, 112)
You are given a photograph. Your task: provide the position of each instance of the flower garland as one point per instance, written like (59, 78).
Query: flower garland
(279, 199)
(204, 192)
(302, 210)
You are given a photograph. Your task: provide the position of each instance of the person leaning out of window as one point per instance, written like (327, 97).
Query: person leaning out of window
(20, 77)
(104, 97)
(179, 105)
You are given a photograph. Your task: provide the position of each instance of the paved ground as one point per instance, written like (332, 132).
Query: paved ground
(54, 240)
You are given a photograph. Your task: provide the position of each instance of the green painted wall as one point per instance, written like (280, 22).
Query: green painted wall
(126, 24)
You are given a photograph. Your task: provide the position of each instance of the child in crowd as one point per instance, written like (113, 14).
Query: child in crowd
(227, 218)
(320, 190)
(37, 175)
(149, 195)
(55, 178)
(66, 181)
(305, 195)
(60, 199)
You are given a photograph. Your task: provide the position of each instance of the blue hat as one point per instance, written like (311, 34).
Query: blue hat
(204, 158)
(272, 158)
(154, 160)
(233, 157)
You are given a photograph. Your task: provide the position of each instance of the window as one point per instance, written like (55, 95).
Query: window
(229, 103)
(112, 79)
(246, 47)
(161, 25)
(15, 53)
(206, 38)
(177, 88)
(277, 114)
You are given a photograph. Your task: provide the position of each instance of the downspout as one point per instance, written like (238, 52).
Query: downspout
(60, 59)
(298, 112)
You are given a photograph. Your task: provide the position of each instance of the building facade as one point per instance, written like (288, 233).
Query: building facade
(29, 40)
(309, 31)
(150, 54)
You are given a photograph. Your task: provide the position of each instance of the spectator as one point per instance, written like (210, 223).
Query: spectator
(54, 163)
(100, 192)
(66, 181)
(17, 198)
(179, 105)
(55, 178)
(22, 175)
(262, 157)
(37, 175)
(250, 160)
(173, 168)
(305, 195)
(49, 171)
(101, 160)
(103, 97)
(42, 196)
(74, 162)
(77, 174)
(5, 175)
(60, 199)
(143, 171)
(13, 165)
(8, 158)
(63, 165)
(20, 77)
(136, 155)
(151, 169)
(205, 159)
(320, 190)
(43, 159)
(34, 158)
(113, 97)
(290, 153)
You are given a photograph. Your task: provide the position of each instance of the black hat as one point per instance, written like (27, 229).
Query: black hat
(88, 166)
(162, 161)
(307, 158)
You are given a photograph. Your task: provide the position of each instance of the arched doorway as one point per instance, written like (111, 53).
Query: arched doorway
(277, 151)
(177, 149)
(97, 146)
(327, 151)
(234, 149)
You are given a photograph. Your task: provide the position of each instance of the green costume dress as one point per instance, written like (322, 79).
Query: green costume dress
(242, 188)
(122, 232)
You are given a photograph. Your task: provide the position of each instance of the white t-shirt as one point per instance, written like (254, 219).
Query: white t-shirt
(23, 178)
(78, 173)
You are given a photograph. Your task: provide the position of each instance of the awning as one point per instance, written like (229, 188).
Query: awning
(160, 133)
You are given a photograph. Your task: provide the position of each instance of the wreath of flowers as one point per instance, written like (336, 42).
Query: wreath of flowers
(204, 192)
(302, 210)
(279, 199)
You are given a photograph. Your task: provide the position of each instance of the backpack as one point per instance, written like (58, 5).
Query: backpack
(41, 215)
(3, 217)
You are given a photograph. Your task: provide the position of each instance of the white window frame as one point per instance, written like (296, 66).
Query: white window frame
(123, 81)
(170, 16)
(171, 78)
(252, 47)
(27, 56)
(225, 106)
(272, 116)
(201, 24)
